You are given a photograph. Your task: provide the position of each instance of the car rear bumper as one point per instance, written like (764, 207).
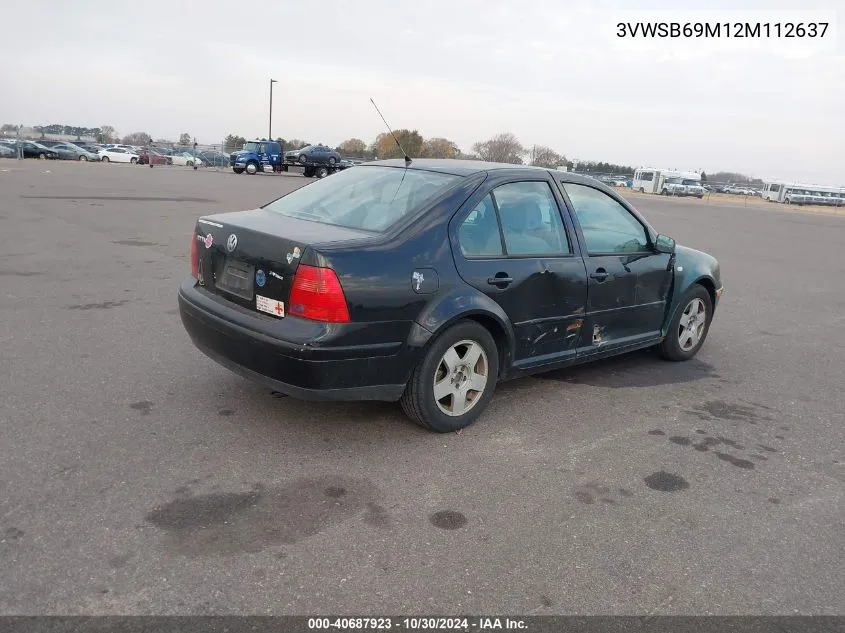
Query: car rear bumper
(248, 346)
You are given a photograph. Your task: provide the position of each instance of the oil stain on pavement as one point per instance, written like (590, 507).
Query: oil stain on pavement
(247, 522)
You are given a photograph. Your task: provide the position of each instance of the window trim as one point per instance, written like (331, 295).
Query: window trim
(505, 255)
(577, 223)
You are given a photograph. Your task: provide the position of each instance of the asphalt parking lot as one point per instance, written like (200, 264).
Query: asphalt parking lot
(138, 477)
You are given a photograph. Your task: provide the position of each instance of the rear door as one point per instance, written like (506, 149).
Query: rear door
(511, 242)
(629, 280)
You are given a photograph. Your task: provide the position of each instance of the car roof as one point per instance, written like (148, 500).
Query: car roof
(459, 167)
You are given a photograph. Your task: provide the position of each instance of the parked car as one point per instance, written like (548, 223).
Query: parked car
(429, 283)
(69, 151)
(118, 155)
(313, 154)
(31, 149)
(186, 159)
(145, 157)
(7, 151)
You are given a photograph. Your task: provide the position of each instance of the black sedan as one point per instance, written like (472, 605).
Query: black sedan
(430, 283)
(313, 154)
(31, 149)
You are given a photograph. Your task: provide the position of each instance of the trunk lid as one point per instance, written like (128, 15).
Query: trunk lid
(251, 257)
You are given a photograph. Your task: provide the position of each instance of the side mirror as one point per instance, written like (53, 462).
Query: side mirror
(664, 244)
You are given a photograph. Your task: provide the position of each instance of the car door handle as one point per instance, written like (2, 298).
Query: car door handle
(501, 279)
(600, 275)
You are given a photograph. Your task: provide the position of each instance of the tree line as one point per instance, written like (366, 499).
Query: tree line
(501, 148)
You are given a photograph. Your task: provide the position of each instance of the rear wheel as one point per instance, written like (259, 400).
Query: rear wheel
(454, 382)
(134, 161)
(689, 326)
(321, 172)
(42, 156)
(105, 159)
(83, 158)
(308, 172)
(303, 159)
(332, 160)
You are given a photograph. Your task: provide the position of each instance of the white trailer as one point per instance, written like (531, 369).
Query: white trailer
(667, 182)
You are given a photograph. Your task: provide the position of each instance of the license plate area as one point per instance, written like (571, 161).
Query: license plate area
(237, 279)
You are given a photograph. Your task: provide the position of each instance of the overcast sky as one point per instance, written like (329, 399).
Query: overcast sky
(548, 71)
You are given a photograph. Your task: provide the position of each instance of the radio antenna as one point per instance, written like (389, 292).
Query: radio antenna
(398, 144)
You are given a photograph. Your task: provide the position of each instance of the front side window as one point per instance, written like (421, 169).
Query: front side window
(608, 227)
(370, 198)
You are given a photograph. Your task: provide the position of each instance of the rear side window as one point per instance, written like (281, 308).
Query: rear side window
(370, 198)
(524, 214)
(479, 233)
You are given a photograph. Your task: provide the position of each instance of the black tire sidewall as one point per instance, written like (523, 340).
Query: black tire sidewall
(423, 381)
(671, 347)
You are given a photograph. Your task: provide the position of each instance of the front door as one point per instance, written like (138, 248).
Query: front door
(629, 281)
(514, 246)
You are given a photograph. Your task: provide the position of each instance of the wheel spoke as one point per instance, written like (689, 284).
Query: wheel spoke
(451, 359)
(443, 389)
(472, 356)
(685, 319)
(686, 337)
(477, 382)
(459, 402)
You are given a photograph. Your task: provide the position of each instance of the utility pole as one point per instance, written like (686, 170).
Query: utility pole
(270, 131)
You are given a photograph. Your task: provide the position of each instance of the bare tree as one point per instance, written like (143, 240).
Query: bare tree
(502, 148)
(107, 134)
(137, 138)
(543, 156)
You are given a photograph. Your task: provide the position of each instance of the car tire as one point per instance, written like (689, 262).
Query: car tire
(308, 172)
(42, 156)
(321, 172)
(419, 401)
(302, 159)
(332, 160)
(105, 159)
(83, 158)
(238, 170)
(133, 161)
(252, 168)
(696, 301)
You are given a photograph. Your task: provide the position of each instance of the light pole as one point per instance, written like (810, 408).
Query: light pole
(270, 131)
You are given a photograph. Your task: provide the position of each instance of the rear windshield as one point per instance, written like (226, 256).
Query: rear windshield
(370, 198)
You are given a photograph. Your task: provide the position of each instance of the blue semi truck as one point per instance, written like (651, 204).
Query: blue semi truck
(263, 155)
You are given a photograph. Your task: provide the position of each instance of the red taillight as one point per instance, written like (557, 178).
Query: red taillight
(195, 264)
(317, 295)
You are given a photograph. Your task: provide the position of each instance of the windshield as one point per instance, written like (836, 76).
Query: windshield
(251, 147)
(368, 198)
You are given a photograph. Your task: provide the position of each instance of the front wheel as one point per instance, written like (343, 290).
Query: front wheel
(252, 168)
(83, 158)
(303, 158)
(689, 326)
(105, 159)
(332, 160)
(134, 161)
(454, 382)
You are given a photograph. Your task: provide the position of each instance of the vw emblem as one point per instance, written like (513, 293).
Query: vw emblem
(232, 242)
